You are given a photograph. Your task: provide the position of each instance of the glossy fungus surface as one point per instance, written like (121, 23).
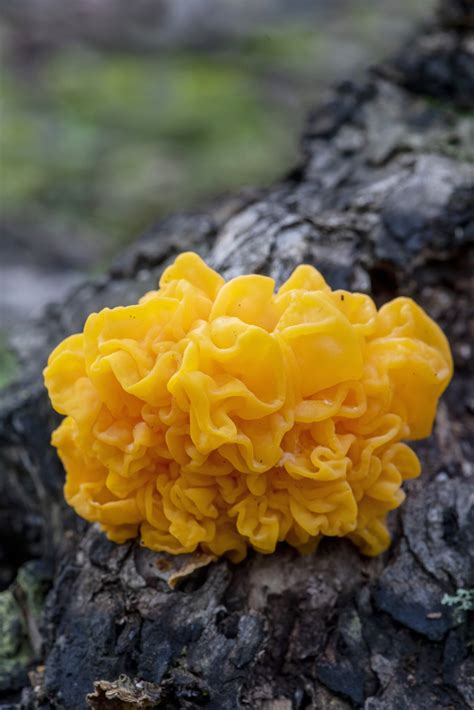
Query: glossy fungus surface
(219, 415)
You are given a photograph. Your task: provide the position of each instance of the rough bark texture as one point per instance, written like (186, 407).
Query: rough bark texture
(383, 202)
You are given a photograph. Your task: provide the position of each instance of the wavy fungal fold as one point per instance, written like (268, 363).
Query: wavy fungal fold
(219, 415)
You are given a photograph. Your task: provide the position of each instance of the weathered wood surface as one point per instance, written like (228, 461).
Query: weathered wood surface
(383, 201)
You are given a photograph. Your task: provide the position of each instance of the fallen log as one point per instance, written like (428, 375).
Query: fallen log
(382, 202)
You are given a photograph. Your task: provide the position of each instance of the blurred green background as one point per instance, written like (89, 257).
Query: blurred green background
(115, 113)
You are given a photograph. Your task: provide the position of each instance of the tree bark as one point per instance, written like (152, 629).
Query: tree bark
(383, 202)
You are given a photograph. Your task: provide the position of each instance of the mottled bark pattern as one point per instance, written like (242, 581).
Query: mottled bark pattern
(382, 202)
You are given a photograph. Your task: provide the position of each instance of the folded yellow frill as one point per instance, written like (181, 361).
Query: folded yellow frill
(221, 415)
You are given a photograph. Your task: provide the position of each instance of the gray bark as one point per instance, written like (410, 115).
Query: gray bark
(383, 202)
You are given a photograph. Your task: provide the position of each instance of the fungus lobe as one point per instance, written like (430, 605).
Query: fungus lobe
(219, 415)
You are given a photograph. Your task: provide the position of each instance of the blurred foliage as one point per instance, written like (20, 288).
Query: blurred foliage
(95, 144)
(7, 362)
(108, 142)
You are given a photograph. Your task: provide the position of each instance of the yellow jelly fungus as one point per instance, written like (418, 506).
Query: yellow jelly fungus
(219, 415)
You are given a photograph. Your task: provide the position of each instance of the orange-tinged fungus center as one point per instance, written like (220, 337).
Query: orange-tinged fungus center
(220, 415)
